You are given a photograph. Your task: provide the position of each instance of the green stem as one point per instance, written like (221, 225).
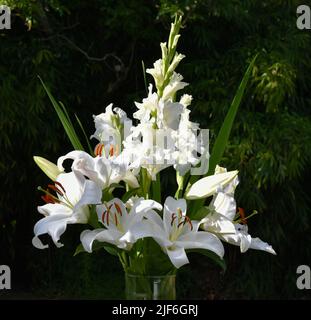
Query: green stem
(145, 183)
(156, 188)
(180, 182)
(124, 260)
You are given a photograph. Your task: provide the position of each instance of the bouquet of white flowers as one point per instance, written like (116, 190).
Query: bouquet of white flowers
(115, 189)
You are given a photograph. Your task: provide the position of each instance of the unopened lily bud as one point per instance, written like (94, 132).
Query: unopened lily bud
(48, 167)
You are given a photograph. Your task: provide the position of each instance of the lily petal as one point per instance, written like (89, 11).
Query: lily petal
(201, 240)
(217, 223)
(91, 194)
(177, 256)
(244, 240)
(50, 209)
(258, 244)
(225, 205)
(88, 237)
(139, 210)
(73, 183)
(54, 225)
(150, 228)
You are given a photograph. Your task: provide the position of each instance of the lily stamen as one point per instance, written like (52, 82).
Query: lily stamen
(98, 149)
(179, 213)
(118, 209)
(48, 197)
(173, 218)
(108, 212)
(59, 185)
(103, 215)
(54, 188)
(111, 151)
(188, 220)
(242, 215)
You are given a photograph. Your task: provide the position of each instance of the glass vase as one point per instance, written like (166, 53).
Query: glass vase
(145, 287)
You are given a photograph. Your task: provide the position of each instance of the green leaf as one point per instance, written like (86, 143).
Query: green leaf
(200, 214)
(79, 249)
(213, 256)
(224, 133)
(110, 248)
(93, 218)
(147, 257)
(129, 194)
(64, 118)
(156, 189)
(144, 74)
(85, 136)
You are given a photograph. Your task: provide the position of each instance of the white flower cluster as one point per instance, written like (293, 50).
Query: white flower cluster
(132, 157)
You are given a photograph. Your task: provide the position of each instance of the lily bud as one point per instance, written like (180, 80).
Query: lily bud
(48, 167)
(207, 186)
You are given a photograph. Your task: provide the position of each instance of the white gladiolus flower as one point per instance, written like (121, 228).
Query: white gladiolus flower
(155, 110)
(185, 100)
(142, 150)
(187, 144)
(169, 114)
(148, 108)
(173, 86)
(157, 73)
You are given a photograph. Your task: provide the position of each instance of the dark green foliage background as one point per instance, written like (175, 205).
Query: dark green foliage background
(89, 53)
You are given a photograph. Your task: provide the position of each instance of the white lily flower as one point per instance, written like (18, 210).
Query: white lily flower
(104, 171)
(108, 126)
(220, 220)
(119, 223)
(176, 232)
(70, 206)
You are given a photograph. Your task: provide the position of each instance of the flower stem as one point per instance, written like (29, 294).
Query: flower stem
(180, 181)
